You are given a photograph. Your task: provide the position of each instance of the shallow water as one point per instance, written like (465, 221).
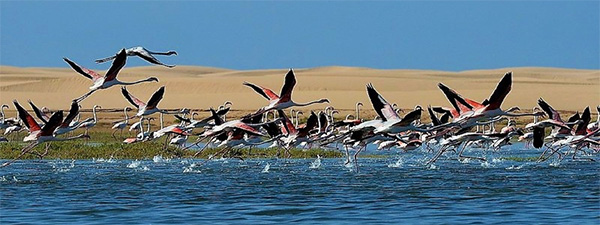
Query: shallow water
(397, 189)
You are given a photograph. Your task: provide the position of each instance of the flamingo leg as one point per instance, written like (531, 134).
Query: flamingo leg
(113, 134)
(200, 151)
(23, 152)
(461, 156)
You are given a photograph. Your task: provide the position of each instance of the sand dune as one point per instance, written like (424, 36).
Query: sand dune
(203, 87)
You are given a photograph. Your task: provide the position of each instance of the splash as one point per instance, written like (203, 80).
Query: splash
(266, 169)
(3, 179)
(317, 163)
(190, 169)
(145, 168)
(487, 164)
(102, 160)
(433, 167)
(134, 164)
(399, 163)
(160, 159)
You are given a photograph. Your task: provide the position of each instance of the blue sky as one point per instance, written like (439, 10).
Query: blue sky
(452, 36)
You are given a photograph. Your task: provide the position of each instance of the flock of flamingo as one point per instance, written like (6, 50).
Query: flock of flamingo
(467, 124)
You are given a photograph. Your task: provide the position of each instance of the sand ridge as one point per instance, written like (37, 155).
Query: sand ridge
(203, 87)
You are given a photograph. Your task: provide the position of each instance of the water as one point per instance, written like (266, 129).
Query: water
(397, 189)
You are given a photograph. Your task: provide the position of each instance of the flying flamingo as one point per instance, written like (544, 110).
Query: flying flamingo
(284, 100)
(110, 79)
(143, 108)
(489, 109)
(143, 53)
(37, 134)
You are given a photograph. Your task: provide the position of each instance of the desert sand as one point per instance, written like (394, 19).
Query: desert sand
(198, 87)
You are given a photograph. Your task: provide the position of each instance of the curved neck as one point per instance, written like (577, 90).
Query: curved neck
(136, 82)
(126, 116)
(94, 112)
(2, 113)
(358, 111)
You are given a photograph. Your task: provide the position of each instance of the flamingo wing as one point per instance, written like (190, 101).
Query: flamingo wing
(38, 112)
(145, 55)
(156, 97)
(381, 106)
(287, 124)
(90, 74)
(501, 91)
(215, 116)
(409, 118)
(311, 123)
(54, 121)
(247, 128)
(29, 121)
(434, 120)
(458, 102)
(586, 117)
(265, 92)
(72, 113)
(288, 86)
(553, 114)
(116, 66)
(132, 99)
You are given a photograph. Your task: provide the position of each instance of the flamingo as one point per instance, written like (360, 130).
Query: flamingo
(110, 79)
(143, 108)
(143, 53)
(6, 122)
(39, 134)
(472, 112)
(90, 122)
(121, 125)
(65, 126)
(553, 120)
(284, 100)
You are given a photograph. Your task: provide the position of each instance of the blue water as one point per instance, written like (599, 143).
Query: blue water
(397, 189)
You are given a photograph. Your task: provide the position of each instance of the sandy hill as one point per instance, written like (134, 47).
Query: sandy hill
(203, 87)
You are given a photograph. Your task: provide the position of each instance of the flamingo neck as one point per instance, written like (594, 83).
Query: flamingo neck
(126, 116)
(310, 103)
(95, 117)
(136, 82)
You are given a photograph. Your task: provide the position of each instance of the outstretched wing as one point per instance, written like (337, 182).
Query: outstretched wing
(434, 120)
(90, 74)
(265, 92)
(29, 121)
(116, 66)
(549, 110)
(288, 86)
(381, 106)
(409, 118)
(156, 97)
(54, 121)
(458, 102)
(132, 99)
(72, 113)
(501, 91)
(38, 112)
